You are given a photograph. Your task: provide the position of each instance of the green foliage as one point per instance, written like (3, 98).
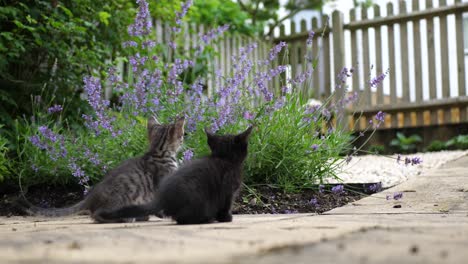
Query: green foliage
(377, 149)
(38, 166)
(52, 44)
(214, 13)
(281, 149)
(363, 3)
(264, 13)
(458, 142)
(4, 161)
(436, 145)
(405, 144)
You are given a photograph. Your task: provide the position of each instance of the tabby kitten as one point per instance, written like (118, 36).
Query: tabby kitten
(202, 190)
(135, 181)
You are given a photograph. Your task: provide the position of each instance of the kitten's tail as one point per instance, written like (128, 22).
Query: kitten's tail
(134, 211)
(31, 209)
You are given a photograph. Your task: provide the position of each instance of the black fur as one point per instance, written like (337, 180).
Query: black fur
(200, 191)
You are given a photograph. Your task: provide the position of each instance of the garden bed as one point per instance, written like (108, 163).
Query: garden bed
(264, 200)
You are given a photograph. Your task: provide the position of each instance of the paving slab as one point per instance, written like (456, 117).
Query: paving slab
(431, 226)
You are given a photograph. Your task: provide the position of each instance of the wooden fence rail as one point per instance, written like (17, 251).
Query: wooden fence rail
(426, 107)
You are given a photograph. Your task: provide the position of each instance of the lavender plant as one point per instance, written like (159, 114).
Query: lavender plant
(293, 146)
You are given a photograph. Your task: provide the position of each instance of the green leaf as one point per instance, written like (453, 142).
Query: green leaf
(66, 11)
(104, 17)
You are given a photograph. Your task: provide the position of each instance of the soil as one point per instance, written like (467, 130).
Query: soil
(259, 200)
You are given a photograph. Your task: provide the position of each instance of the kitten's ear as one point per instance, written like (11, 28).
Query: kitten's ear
(179, 126)
(180, 122)
(152, 121)
(245, 135)
(208, 132)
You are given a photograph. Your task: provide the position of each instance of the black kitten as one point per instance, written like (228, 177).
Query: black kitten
(200, 191)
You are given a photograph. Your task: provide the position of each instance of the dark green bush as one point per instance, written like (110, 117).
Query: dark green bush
(50, 45)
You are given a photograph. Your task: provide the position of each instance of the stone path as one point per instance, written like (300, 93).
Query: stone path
(430, 227)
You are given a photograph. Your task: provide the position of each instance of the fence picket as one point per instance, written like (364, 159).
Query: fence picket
(463, 111)
(391, 55)
(366, 60)
(326, 56)
(417, 64)
(444, 53)
(315, 54)
(378, 55)
(431, 55)
(404, 62)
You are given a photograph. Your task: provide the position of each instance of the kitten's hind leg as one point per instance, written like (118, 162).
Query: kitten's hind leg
(100, 219)
(224, 214)
(142, 219)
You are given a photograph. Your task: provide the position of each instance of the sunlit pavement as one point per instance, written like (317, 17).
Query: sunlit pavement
(428, 225)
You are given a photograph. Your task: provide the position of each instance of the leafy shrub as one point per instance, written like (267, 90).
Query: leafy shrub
(458, 142)
(377, 149)
(436, 145)
(405, 144)
(291, 147)
(4, 161)
(43, 45)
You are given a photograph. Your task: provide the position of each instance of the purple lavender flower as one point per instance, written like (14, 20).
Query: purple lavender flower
(377, 80)
(274, 52)
(142, 25)
(92, 157)
(398, 158)
(342, 76)
(407, 161)
(321, 188)
(214, 33)
(36, 141)
(397, 195)
(48, 134)
(248, 115)
(129, 43)
(78, 173)
(34, 168)
(310, 38)
(100, 120)
(188, 155)
(315, 147)
(376, 187)
(314, 202)
(148, 44)
(179, 15)
(416, 160)
(287, 211)
(338, 189)
(380, 117)
(55, 109)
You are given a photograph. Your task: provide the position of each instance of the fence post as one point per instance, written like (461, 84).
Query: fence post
(339, 59)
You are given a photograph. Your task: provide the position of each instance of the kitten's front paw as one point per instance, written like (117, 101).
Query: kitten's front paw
(225, 218)
(159, 214)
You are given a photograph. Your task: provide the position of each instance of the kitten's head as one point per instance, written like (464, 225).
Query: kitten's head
(233, 147)
(165, 137)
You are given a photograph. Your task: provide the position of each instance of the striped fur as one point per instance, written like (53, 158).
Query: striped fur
(135, 181)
